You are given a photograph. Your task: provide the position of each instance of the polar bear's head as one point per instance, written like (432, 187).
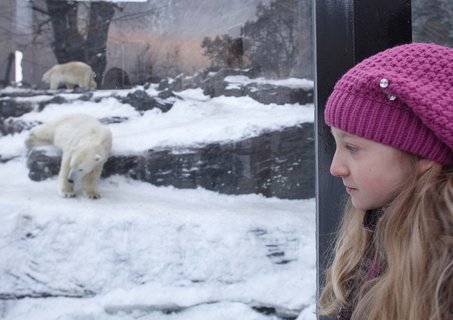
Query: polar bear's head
(83, 161)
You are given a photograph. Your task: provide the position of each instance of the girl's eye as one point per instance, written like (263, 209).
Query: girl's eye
(351, 148)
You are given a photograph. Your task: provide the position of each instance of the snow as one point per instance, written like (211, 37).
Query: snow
(115, 0)
(147, 252)
(290, 82)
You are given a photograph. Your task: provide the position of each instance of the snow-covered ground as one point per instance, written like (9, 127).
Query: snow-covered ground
(147, 252)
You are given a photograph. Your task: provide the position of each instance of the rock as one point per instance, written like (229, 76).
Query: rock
(268, 94)
(42, 166)
(55, 100)
(12, 126)
(11, 108)
(216, 85)
(163, 84)
(166, 94)
(141, 101)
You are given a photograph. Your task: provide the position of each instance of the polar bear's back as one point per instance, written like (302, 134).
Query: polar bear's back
(74, 72)
(75, 129)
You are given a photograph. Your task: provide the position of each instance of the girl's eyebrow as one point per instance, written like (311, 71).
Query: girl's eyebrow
(342, 134)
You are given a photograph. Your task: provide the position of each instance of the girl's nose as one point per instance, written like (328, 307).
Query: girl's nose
(337, 167)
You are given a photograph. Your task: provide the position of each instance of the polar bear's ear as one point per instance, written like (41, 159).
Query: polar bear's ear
(97, 158)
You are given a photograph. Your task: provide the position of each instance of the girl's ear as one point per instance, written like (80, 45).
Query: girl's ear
(423, 165)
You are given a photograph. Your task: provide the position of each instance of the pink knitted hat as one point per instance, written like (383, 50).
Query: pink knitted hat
(401, 97)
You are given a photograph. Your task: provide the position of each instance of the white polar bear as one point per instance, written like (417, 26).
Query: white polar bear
(70, 74)
(85, 144)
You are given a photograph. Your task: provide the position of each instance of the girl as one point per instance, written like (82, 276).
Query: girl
(392, 120)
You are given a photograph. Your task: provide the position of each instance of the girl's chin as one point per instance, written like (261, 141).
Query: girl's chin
(360, 205)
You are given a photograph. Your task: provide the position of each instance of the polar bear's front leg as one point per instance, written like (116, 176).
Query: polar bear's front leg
(90, 182)
(65, 187)
(54, 82)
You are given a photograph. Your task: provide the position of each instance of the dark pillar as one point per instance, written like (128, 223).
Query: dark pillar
(9, 65)
(345, 32)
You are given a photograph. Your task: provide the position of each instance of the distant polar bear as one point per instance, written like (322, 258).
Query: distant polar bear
(85, 144)
(70, 74)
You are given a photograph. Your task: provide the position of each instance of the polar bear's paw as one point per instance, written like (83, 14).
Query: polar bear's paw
(68, 194)
(93, 195)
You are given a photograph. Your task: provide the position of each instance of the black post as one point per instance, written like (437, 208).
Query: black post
(345, 32)
(8, 68)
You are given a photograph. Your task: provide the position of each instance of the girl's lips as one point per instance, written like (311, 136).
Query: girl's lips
(349, 189)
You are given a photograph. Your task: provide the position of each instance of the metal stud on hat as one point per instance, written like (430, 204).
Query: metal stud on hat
(384, 83)
(391, 96)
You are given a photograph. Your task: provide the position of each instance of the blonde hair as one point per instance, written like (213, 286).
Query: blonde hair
(414, 243)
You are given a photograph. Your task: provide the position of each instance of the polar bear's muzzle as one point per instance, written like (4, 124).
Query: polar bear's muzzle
(72, 176)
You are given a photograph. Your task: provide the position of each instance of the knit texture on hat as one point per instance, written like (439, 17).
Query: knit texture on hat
(411, 110)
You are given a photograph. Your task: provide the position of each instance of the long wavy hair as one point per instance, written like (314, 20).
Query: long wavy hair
(414, 242)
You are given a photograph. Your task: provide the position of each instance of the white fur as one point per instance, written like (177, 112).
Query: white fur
(70, 74)
(85, 144)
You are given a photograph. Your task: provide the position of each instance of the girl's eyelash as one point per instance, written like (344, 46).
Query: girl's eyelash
(351, 148)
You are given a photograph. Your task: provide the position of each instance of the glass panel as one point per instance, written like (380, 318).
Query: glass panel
(199, 114)
(432, 21)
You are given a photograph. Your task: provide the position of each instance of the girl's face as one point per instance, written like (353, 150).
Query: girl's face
(373, 173)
